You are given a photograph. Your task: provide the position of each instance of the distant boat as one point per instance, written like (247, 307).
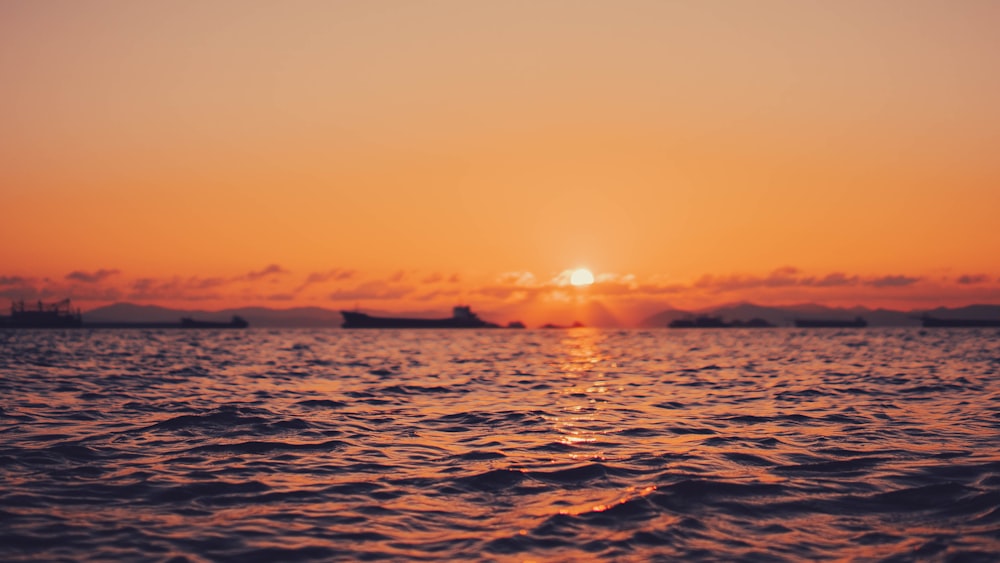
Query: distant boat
(576, 324)
(717, 322)
(462, 317)
(44, 315)
(858, 322)
(934, 322)
(236, 322)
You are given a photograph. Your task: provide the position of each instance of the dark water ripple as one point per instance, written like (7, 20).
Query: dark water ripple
(291, 445)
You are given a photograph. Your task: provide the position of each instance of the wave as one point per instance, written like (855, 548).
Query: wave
(262, 447)
(481, 445)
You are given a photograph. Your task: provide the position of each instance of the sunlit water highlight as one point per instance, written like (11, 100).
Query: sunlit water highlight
(500, 445)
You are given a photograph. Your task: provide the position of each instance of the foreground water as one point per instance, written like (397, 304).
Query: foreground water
(500, 445)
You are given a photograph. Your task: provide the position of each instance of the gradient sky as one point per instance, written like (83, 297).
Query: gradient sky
(410, 155)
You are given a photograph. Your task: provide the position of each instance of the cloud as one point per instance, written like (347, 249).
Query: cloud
(513, 289)
(206, 283)
(372, 290)
(782, 277)
(175, 289)
(836, 279)
(523, 279)
(91, 277)
(438, 293)
(892, 281)
(661, 289)
(21, 292)
(57, 291)
(562, 279)
(335, 274)
(613, 284)
(143, 284)
(789, 277)
(195, 288)
(518, 294)
(13, 280)
(522, 287)
(970, 279)
(270, 270)
(96, 294)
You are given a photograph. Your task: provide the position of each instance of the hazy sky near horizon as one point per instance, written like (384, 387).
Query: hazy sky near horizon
(318, 153)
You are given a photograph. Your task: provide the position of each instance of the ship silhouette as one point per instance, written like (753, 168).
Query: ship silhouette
(461, 317)
(935, 322)
(576, 324)
(60, 314)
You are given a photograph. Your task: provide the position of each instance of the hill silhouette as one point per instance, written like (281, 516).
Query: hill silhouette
(265, 317)
(786, 315)
(595, 314)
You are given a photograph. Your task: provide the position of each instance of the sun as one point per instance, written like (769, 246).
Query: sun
(581, 277)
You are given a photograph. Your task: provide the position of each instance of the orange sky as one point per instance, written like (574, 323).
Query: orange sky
(410, 155)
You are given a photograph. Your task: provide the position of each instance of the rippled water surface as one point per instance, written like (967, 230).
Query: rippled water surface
(500, 445)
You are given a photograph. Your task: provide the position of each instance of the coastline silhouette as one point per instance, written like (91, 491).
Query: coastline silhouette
(61, 314)
(705, 321)
(857, 322)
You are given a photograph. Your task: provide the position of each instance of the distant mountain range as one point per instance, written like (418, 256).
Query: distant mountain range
(305, 317)
(786, 315)
(312, 317)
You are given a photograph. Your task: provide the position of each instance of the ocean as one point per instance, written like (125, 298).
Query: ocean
(500, 445)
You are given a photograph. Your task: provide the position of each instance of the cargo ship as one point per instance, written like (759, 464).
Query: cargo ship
(44, 315)
(461, 317)
(858, 322)
(934, 322)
